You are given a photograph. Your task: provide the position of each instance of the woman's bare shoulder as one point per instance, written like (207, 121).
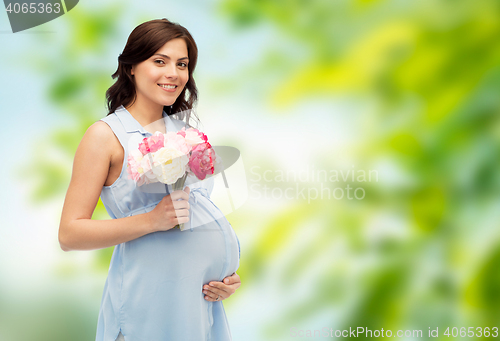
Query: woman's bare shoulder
(100, 130)
(99, 138)
(100, 133)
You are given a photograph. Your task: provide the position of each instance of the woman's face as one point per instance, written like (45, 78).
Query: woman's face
(161, 78)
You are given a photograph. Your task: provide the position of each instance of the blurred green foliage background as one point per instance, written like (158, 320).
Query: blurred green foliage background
(407, 89)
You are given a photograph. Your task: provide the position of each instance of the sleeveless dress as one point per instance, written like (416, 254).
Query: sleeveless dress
(153, 291)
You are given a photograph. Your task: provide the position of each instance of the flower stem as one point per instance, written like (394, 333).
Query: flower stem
(179, 185)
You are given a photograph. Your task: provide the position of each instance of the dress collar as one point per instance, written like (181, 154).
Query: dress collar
(131, 124)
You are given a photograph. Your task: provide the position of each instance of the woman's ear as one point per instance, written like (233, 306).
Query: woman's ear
(132, 70)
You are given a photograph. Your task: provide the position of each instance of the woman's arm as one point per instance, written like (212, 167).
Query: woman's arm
(90, 169)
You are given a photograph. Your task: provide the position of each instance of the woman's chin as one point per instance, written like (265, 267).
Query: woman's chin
(169, 103)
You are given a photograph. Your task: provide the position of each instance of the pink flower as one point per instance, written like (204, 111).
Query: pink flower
(134, 166)
(202, 160)
(177, 142)
(193, 136)
(151, 144)
(139, 168)
(203, 137)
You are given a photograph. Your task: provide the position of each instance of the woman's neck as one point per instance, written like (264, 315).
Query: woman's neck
(145, 112)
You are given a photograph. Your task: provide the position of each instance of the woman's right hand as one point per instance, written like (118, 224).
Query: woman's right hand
(170, 211)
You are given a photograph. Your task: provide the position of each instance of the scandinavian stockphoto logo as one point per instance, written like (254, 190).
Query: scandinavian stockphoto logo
(25, 15)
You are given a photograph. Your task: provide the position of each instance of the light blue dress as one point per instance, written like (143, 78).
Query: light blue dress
(153, 291)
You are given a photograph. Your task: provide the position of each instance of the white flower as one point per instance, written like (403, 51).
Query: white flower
(169, 164)
(193, 137)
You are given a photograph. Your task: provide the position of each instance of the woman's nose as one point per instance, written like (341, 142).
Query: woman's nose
(171, 71)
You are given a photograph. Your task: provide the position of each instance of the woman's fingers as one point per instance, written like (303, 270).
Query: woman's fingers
(182, 220)
(233, 279)
(211, 299)
(180, 201)
(219, 288)
(172, 210)
(213, 293)
(210, 296)
(181, 213)
(180, 194)
(180, 204)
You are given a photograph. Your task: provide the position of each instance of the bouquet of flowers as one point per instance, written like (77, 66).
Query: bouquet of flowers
(169, 158)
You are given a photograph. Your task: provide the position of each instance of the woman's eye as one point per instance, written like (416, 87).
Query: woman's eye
(159, 61)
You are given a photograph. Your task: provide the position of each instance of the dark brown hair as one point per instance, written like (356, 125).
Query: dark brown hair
(143, 42)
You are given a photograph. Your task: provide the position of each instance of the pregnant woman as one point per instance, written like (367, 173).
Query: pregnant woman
(163, 284)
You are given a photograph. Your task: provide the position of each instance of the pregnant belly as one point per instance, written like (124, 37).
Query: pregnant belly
(207, 253)
(200, 252)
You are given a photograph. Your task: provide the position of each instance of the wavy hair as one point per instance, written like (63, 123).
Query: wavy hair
(143, 42)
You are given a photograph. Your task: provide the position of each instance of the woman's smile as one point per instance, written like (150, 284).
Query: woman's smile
(168, 87)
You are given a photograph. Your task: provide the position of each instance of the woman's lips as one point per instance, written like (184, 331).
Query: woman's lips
(167, 89)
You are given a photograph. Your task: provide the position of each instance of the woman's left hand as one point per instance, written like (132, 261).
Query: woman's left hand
(222, 289)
